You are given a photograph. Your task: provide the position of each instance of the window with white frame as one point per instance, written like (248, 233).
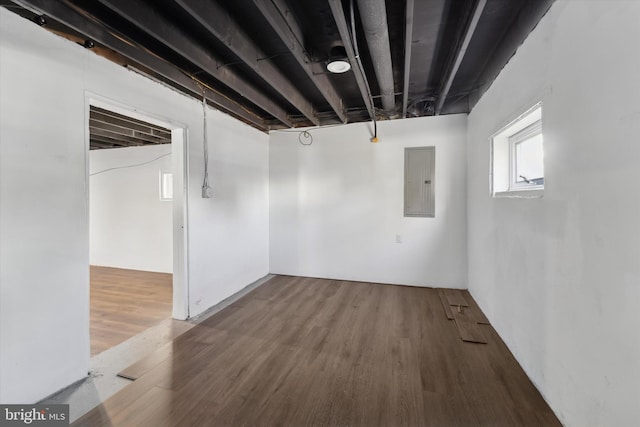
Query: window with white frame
(518, 157)
(166, 186)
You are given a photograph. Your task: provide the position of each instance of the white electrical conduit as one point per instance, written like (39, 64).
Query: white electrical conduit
(373, 14)
(206, 190)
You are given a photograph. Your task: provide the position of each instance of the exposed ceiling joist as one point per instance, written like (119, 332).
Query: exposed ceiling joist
(119, 136)
(99, 116)
(124, 132)
(408, 43)
(222, 26)
(261, 61)
(101, 141)
(361, 79)
(451, 75)
(425, 38)
(153, 23)
(108, 129)
(68, 15)
(279, 17)
(97, 145)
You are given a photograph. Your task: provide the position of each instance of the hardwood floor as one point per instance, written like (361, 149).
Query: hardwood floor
(311, 352)
(125, 303)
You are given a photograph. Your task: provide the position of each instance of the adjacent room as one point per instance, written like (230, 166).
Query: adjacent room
(321, 212)
(131, 225)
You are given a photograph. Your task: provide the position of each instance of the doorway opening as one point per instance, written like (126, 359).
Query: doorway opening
(137, 214)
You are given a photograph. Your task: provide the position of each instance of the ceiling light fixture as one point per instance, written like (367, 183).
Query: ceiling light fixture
(338, 60)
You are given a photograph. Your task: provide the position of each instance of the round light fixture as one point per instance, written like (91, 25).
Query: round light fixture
(338, 66)
(338, 60)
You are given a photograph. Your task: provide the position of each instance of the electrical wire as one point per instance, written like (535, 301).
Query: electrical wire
(354, 41)
(308, 137)
(205, 143)
(310, 129)
(306, 134)
(130, 166)
(205, 182)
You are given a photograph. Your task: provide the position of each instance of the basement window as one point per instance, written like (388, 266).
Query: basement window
(518, 157)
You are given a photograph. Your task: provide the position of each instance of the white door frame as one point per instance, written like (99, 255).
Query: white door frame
(180, 168)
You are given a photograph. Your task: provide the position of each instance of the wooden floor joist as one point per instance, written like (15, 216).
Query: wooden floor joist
(299, 351)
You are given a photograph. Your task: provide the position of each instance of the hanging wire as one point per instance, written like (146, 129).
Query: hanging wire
(308, 138)
(205, 181)
(130, 166)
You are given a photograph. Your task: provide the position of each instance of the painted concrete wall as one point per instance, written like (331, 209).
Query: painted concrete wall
(44, 230)
(337, 205)
(130, 227)
(559, 277)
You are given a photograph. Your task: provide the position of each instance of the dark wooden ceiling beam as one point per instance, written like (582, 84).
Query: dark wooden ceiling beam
(128, 130)
(150, 21)
(462, 49)
(343, 29)
(130, 139)
(282, 22)
(69, 16)
(119, 130)
(96, 145)
(99, 120)
(112, 141)
(105, 116)
(223, 27)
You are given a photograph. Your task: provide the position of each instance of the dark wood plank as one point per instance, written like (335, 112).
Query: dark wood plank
(445, 304)
(455, 297)
(299, 351)
(476, 312)
(468, 328)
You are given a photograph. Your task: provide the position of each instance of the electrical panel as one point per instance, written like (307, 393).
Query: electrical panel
(419, 185)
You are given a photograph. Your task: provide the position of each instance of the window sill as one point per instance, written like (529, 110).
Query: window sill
(520, 194)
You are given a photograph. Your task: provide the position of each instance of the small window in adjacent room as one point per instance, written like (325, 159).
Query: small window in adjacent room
(518, 157)
(166, 186)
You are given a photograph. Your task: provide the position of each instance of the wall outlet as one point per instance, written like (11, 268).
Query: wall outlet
(398, 238)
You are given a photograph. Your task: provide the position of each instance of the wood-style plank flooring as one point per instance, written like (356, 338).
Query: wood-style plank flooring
(312, 352)
(125, 303)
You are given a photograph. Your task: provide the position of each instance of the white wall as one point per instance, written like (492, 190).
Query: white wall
(559, 277)
(337, 205)
(130, 227)
(44, 231)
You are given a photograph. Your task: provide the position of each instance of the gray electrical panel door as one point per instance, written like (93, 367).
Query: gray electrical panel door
(419, 174)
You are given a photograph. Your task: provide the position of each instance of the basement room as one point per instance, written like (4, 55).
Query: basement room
(320, 213)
